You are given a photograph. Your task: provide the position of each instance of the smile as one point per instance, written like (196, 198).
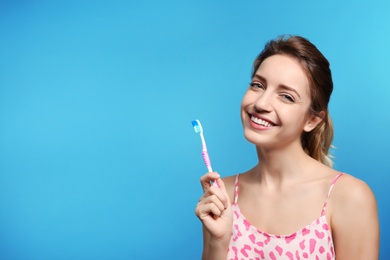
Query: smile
(261, 122)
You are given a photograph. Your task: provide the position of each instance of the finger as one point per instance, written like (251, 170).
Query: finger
(214, 210)
(207, 210)
(209, 204)
(217, 196)
(207, 178)
(213, 199)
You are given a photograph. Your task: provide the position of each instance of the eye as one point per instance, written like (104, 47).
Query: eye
(287, 98)
(257, 85)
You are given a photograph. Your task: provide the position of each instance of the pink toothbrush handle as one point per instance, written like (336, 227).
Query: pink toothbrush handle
(207, 161)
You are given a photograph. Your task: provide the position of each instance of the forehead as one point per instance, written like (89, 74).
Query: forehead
(284, 70)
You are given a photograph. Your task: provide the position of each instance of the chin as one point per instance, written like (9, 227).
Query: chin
(254, 138)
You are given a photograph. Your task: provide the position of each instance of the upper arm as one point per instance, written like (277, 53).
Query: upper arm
(354, 220)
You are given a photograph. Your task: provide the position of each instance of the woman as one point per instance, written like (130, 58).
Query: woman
(292, 204)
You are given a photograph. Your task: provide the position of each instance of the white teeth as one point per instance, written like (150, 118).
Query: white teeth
(260, 121)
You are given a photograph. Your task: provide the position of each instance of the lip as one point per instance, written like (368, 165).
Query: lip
(260, 127)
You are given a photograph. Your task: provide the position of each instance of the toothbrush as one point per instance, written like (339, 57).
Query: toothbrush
(199, 130)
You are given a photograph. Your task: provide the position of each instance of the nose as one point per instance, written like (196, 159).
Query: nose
(263, 102)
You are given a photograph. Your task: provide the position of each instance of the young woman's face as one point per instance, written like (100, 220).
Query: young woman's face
(275, 108)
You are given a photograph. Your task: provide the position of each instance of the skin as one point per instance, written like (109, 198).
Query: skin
(278, 187)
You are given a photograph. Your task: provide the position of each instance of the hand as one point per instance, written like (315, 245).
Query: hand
(214, 208)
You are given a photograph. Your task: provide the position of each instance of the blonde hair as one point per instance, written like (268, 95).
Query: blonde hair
(317, 142)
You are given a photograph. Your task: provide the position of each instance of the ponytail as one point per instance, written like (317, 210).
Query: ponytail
(317, 142)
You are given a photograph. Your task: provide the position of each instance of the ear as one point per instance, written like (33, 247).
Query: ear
(313, 121)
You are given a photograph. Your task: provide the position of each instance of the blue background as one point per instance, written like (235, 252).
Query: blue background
(98, 158)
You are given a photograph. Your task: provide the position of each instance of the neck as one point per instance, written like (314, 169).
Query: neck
(277, 166)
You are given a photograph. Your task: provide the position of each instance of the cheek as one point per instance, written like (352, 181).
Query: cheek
(245, 102)
(242, 110)
(247, 99)
(290, 115)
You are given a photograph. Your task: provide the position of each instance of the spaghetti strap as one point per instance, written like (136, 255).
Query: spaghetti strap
(330, 190)
(236, 190)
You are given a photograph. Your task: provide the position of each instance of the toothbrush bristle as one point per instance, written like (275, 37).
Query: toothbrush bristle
(197, 127)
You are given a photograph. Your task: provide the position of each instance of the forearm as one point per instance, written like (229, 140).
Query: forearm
(215, 250)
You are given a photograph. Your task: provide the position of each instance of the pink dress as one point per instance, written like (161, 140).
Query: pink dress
(311, 242)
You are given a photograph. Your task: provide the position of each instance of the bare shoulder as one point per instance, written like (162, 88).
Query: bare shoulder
(353, 192)
(229, 185)
(354, 219)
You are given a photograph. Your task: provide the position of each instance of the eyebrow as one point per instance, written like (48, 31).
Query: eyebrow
(290, 89)
(282, 86)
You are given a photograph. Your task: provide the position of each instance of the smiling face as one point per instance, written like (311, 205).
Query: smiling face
(276, 108)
